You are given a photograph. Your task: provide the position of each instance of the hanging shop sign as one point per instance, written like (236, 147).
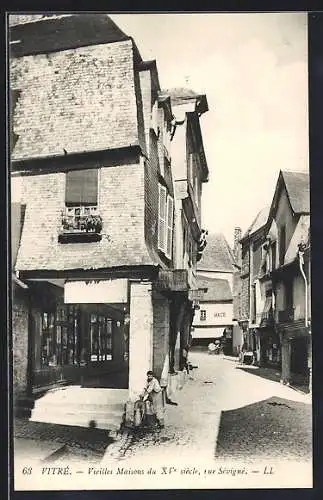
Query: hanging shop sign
(112, 291)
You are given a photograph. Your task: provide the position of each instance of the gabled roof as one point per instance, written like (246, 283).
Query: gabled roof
(298, 190)
(258, 222)
(180, 95)
(217, 290)
(297, 187)
(217, 255)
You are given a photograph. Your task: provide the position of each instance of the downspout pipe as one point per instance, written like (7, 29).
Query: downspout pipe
(301, 268)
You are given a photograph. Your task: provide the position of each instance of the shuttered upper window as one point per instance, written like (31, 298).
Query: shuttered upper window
(82, 187)
(170, 216)
(162, 209)
(165, 222)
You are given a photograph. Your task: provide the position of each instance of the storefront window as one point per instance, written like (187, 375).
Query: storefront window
(59, 344)
(101, 338)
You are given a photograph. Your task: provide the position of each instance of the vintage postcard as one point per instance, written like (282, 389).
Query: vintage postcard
(160, 250)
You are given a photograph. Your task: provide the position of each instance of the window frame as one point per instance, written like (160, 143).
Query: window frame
(202, 314)
(165, 232)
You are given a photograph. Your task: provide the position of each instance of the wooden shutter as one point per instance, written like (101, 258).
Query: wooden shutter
(154, 118)
(162, 209)
(82, 187)
(170, 219)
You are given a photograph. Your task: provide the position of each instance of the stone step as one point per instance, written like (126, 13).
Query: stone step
(75, 405)
(79, 406)
(91, 396)
(88, 412)
(108, 423)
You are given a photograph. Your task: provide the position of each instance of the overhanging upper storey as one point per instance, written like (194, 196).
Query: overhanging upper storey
(198, 147)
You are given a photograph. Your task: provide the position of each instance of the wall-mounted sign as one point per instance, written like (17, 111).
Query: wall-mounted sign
(96, 292)
(219, 314)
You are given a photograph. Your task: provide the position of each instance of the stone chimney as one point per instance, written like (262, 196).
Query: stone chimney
(236, 238)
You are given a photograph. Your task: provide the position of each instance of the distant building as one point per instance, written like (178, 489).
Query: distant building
(252, 289)
(214, 320)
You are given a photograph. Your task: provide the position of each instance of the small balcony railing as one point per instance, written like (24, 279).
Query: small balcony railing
(80, 224)
(286, 315)
(265, 317)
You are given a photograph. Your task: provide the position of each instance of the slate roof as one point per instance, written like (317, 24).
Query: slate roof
(218, 290)
(298, 190)
(63, 32)
(258, 222)
(78, 99)
(217, 254)
(301, 235)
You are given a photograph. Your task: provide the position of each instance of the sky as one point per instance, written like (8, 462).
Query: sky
(253, 69)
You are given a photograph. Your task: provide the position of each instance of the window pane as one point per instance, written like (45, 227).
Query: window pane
(59, 344)
(64, 345)
(94, 342)
(82, 186)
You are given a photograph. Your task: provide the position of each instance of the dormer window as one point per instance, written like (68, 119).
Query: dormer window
(265, 259)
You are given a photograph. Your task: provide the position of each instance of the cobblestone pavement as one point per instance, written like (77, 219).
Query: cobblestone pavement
(268, 419)
(276, 428)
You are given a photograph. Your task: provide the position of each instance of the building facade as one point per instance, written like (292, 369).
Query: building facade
(275, 282)
(93, 178)
(289, 255)
(213, 322)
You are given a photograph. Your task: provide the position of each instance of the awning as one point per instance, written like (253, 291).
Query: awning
(265, 315)
(214, 332)
(268, 304)
(96, 292)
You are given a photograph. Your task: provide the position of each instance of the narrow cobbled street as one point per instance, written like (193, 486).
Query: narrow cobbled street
(227, 412)
(231, 428)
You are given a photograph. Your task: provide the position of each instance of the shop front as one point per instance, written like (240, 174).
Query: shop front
(77, 342)
(269, 348)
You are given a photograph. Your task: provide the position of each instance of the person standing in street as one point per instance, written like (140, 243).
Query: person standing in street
(186, 361)
(154, 399)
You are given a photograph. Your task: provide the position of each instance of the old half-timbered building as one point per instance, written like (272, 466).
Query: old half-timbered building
(93, 180)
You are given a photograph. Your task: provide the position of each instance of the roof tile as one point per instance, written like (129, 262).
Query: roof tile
(217, 254)
(298, 189)
(218, 290)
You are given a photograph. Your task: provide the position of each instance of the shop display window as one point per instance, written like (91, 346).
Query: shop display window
(101, 338)
(59, 337)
